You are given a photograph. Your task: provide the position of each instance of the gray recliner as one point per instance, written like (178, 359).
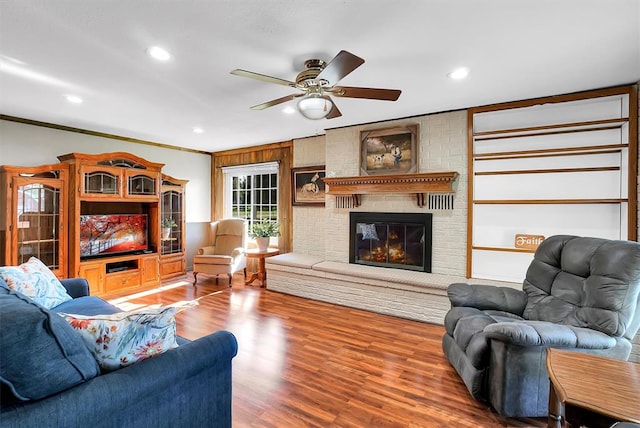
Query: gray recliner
(580, 294)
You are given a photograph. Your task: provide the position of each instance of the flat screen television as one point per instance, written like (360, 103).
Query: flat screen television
(110, 234)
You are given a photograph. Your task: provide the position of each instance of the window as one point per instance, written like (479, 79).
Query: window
(251, 192)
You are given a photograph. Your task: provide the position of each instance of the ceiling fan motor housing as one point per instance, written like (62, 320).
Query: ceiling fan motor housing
(307, 78)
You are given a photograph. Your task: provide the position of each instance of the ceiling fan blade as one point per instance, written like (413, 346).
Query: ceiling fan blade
(369, 93)
(264, 78)
(341, 65)
(335, 112)
(275, 102)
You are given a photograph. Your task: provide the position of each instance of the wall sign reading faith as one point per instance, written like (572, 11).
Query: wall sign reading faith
(529, 242)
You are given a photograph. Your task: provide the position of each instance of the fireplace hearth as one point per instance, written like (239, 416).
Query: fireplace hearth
(393, 240)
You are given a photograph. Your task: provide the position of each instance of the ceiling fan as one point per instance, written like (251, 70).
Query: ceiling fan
(317, 82)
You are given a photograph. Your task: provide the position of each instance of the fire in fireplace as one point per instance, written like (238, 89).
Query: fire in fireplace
(395, 240)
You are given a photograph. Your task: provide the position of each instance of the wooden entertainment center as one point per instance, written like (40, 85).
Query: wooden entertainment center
(45, 205)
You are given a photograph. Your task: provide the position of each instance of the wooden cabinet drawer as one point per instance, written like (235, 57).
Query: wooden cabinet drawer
(122, 281)
(172, 267)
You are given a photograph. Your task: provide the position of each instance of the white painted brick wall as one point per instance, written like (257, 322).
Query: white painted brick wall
(309, 230)
(309, 151)
(346, 291)
(309, 222)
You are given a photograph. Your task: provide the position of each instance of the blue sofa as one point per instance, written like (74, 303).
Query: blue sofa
(189, 386)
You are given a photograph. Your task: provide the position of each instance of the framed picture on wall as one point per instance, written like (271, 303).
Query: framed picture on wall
(307, 185)
(389, 151)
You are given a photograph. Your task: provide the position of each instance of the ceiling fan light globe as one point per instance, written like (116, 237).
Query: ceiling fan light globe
(314, 107)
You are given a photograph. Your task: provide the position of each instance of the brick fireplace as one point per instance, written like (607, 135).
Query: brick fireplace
(443, 147)
(392, 240)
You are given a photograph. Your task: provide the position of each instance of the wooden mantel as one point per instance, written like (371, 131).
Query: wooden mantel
(419, 184)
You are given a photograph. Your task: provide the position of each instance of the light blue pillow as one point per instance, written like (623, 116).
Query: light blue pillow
(36, 281)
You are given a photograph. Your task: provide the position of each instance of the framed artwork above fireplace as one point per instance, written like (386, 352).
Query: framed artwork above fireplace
(389, 150)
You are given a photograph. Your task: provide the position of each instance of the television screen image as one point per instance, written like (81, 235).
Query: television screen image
(112, 234)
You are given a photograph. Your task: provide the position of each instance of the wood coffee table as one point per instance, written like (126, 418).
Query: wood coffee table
(262, 271)
(591, 390)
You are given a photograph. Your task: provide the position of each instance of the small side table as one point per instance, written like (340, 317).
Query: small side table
(591, 389)
(262, 271)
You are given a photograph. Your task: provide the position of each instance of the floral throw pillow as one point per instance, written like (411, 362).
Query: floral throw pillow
(369, 232)
(36, 281)
(124, 338)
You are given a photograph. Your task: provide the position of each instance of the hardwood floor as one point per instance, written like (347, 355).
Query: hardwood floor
(303, 363)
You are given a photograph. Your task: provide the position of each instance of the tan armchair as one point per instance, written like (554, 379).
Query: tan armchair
(225, 255)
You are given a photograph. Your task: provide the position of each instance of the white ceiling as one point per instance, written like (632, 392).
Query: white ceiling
(96, 50)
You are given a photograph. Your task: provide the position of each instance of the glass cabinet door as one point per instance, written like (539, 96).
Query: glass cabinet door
(38, 221)
(172, 230)
(141, 184)
(100, 182)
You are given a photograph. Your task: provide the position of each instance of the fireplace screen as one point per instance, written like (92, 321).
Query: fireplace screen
(396, 240)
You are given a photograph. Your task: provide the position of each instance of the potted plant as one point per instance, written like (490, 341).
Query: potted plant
(167, 223)
(262, 233)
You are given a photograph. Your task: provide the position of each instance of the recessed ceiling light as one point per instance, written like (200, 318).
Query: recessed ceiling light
(288, 110)
(73, 99)
(159, 53)
(197, 130)
(459, 73)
